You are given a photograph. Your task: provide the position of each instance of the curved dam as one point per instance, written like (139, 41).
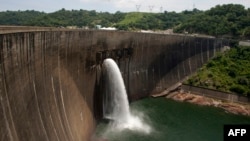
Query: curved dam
(51, 80)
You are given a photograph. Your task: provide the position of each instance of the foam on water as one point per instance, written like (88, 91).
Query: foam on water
(116, 105)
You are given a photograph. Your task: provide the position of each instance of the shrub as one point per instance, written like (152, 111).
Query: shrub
(237, 89)
(210, 64)
(232, 73)
(209, 75)
(243, 81)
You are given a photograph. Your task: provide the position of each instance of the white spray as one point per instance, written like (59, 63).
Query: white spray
(116, 105)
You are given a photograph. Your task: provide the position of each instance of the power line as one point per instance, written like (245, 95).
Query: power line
(150, 8)
(138, 7)
(161, 8)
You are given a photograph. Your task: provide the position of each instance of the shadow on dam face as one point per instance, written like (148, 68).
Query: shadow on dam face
(51, 84)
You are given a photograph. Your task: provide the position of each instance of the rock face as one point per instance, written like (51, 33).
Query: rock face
(235, 108)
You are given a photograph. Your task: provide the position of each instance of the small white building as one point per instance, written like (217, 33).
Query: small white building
(244, 43)
(108, 28)
(98, 26)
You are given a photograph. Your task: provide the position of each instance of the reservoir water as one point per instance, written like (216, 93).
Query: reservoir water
(173, 121)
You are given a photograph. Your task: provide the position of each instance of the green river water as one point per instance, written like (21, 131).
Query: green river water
(174, 121)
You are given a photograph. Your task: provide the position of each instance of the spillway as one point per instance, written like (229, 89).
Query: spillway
(115, 101)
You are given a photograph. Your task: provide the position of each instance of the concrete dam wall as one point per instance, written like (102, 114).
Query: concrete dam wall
(51, 81)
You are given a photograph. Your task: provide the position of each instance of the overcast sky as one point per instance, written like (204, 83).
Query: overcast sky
(115, 5)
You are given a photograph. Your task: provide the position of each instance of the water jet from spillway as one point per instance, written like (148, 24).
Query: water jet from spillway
(115, 104)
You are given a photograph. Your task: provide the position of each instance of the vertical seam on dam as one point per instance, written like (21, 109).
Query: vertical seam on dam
(59, 115)
(6, 121)
(53, 126)
(60, 85)
(39, 111)
(7, 97)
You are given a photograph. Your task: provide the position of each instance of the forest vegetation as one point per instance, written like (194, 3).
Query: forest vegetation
(231, 20)
(228, 72)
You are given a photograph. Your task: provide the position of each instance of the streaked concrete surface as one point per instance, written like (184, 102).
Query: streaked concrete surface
(51, 79)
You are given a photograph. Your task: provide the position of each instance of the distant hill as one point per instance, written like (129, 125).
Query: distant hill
(19, 17)
(229, 20)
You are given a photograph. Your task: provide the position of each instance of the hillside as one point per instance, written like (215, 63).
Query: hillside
(231, 20)
(223, 20)
(227, 72)
(132, 17)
